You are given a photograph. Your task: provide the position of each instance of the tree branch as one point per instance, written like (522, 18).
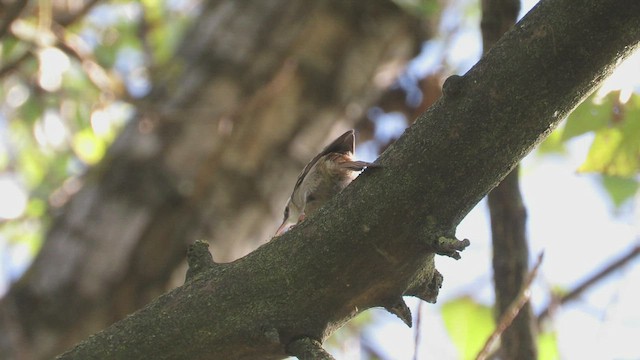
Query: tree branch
(308, 349)
(62, 20)
(66, 19)
(208, 155)
(510, 258)
(512, 311)
(377, 240)
(199, 259)
(589, 282)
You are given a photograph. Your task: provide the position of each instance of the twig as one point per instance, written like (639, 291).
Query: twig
(589, 282)
(369, 350)
(68, 19)
(143, 29)
(102, 78)
(417, 337)
(512, 311)
(14, 12)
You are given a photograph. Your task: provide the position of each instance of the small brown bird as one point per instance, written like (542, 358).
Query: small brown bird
(324, 176)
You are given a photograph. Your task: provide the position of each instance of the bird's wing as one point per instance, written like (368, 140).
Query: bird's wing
(345, 143)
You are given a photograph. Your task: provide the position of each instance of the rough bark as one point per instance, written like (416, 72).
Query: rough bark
(508, 218)
(376, 241)
(255, 88)
(510, 266)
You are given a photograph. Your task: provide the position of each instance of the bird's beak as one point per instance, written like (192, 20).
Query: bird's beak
(286, 225)
(283, 228)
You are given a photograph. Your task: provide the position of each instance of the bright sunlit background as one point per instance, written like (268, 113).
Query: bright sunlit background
(571, 217)
(581, 219)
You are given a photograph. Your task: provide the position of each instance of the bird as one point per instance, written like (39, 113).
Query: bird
(322, 178)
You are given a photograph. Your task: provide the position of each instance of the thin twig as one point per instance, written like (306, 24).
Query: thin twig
(14, 12)
(104, 79)
(418, 326)
(369, 350)
(512, 311)
(68, 19)
(589, 282)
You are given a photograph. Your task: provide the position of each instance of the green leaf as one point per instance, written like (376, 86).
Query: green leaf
(548, 346)
(36, 208)
(25, 231)
(164, 40)
(88, 146)
(32, 166)
(106, 55)
(589, 116)
(9, 45)
(559, 291)
(469, 324)
(153, 9)
(615, 151)
(4, 158)
(31, 110)
(553, 144)
(620, 189)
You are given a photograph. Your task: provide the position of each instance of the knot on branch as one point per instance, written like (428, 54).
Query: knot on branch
(400, 309)
(452, 87)
(426, 289)
(199, 259)
(450, 247)
(306, 348)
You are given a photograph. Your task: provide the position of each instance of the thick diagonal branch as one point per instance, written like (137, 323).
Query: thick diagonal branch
(361, 249)
(254, 87)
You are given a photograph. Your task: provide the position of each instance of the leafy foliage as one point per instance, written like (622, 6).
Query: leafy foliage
(70, 81)
(548, 346)
(469, 324)
(614, 153)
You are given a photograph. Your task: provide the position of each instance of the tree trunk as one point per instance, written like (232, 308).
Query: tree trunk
(510, 267)
(375, 242)
(255, 88)
(508, 217)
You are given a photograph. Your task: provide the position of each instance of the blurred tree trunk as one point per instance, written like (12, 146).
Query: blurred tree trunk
(376, 241)
(508, 217)
(255, 89)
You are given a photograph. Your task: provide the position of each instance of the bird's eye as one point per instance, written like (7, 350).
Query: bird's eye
(310, 198)
(286, 212)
